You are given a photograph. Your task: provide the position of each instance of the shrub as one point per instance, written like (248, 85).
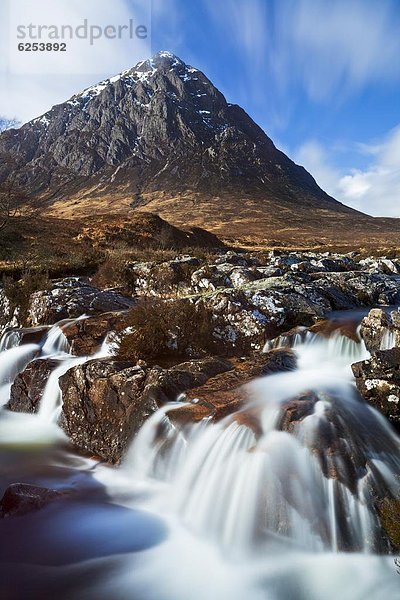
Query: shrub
(19, 291)
(167, 328)
(112, 272)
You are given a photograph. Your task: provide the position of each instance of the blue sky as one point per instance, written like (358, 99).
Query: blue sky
(322, 77)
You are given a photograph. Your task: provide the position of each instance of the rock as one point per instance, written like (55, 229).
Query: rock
(105, 402)
(389, 512)
(373, 328)
(247, 318)
(167, 278)
(87, 335)
(72, 298)
(14, 336)
(225, 393)
(103, 406)
(381, 330)
(22, 498)
(27, 389)
(378, 381)
(380, 265)
(164, 385)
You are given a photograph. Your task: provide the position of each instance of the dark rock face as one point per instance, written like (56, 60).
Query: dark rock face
(72, 298)
(103, 406)
(22, 498)
(378, 381)
(159, 126)
(86, 336)
(28, 387)
(106, 402)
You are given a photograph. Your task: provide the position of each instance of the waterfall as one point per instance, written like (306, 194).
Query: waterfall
(312, 483)
(267, 502)
(389, 339)
(15, 357)
(13, 361)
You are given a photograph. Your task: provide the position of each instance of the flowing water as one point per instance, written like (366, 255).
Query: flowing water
(277, 501)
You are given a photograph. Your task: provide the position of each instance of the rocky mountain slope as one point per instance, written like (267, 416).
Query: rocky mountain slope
(161, 137)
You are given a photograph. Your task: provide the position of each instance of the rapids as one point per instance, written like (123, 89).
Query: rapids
(254, 506)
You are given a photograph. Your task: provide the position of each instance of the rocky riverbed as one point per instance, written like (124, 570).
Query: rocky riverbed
(226, 380)
(252, 301)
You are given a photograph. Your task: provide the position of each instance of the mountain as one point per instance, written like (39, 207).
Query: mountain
(161, 137)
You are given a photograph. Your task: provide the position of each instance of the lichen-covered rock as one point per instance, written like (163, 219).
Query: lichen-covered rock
(355, 289)
(71, 298)
(378, 381)
(166, 278)
(381, 330)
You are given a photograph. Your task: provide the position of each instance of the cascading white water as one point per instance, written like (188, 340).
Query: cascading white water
(51, 402)
(15, 358)
(313, 485)
(258, 505)
(13, 361)
(389, 340)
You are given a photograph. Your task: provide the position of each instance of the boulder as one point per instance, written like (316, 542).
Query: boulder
(105, 401)
(72, 298)
(103, 406)
(86, 336)
(27, 389)
(355, 289)
(378, 381)
(226, 393)
(166, 278)
(381, 330)
(22, 498)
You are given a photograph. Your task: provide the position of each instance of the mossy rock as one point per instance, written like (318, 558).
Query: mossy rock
(389, 512)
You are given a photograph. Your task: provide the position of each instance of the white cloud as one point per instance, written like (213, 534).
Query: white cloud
(31, 82)
(335, 48)
(374, 190)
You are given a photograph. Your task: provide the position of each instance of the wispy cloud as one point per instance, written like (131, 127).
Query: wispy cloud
(335, 48)
(374, 190)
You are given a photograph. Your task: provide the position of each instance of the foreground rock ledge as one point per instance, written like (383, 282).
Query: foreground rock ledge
(107, 401)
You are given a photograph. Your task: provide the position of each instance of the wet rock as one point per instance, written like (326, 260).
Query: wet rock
(380, 329)
(22, 498)
(103, 406)
(389, 512)
(378, 381)
(225, 393)
(71, 298)
(87, 335)
(165, 385)
(106, 402)
(28, 387)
